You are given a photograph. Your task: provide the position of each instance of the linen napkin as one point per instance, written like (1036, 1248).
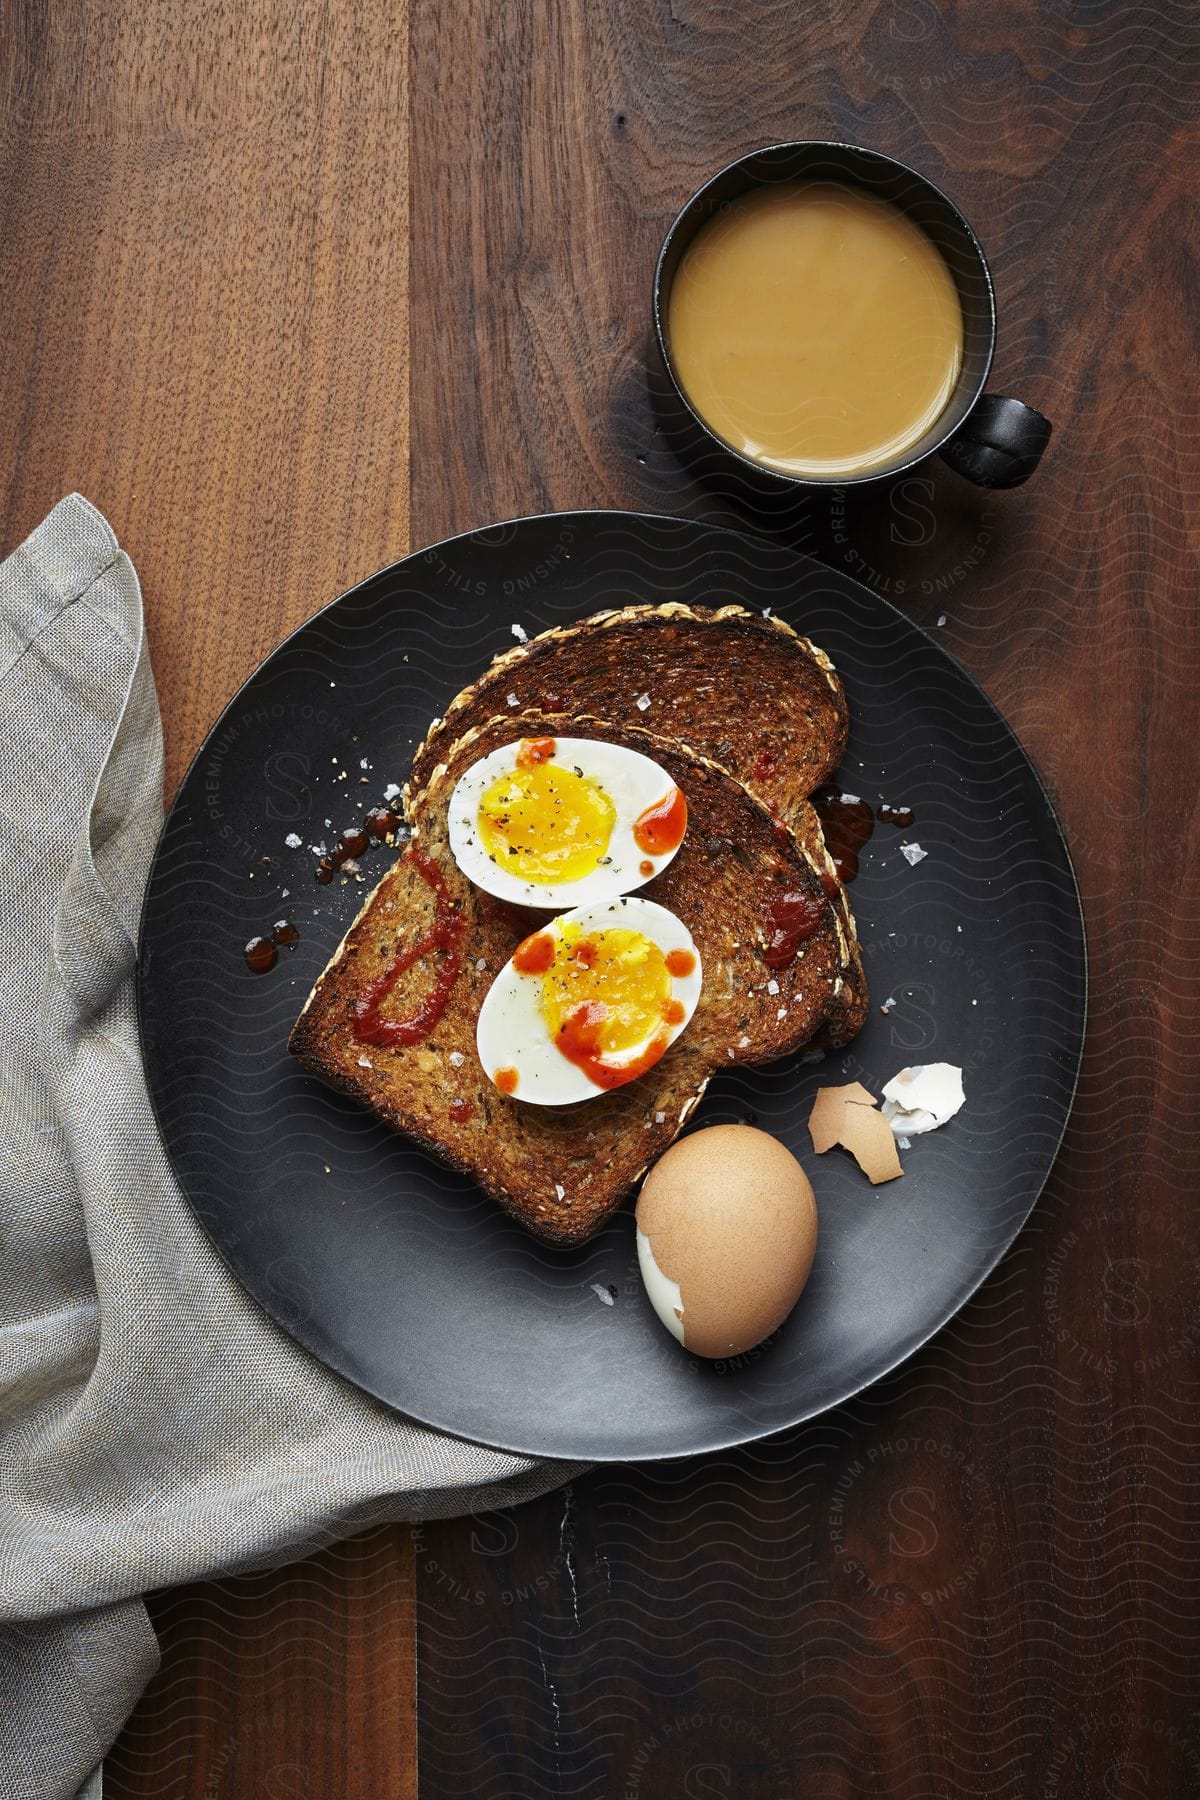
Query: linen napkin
(155, 1425)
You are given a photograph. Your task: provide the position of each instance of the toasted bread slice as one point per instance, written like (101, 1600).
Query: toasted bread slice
(561, 1171)
(746, 691)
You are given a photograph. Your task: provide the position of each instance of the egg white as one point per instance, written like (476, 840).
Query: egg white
(513, 1034)
(632, 782)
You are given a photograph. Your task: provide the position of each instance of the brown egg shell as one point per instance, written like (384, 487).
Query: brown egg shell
(731, 1217)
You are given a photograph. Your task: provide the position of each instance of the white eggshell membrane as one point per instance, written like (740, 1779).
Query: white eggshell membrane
(632, 782)
(922, 1098)
(662, 1292)
(512, 1032)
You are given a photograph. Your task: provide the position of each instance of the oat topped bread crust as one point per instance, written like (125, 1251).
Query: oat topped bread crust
(745, 690)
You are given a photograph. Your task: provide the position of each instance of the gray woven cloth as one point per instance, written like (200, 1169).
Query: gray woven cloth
(155, 1426)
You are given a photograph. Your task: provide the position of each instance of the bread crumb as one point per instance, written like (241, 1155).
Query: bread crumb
(427, 1062)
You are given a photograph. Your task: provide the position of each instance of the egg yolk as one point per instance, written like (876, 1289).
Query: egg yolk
(616, 980)
(546, 823)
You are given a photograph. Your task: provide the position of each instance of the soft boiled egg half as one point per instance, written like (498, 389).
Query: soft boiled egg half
(589, 1002)
(561, 822)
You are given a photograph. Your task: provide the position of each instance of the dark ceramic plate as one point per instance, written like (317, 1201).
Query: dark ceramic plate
(405, 1277)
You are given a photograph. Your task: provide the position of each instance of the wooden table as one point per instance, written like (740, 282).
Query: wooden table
(288, 289)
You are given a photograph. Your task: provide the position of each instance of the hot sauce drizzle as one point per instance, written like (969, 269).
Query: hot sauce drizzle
(531, 751)
(660, 828)
(579, 1041)
(534, 955)
(370, 1027)
(791, 920)
(681, 962)
(506, 1080)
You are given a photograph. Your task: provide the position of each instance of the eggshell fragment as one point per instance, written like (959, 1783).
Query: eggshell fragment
(848, 1116)
(825, 1122)
(727, 1231)
(922, 1098)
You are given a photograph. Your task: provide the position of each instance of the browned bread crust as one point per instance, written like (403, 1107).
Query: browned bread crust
(746, 691)
(561, 1171)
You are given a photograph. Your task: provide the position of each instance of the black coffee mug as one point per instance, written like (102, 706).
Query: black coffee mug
(994, 441)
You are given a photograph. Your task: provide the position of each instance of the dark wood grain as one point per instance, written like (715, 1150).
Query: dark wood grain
(981, 1578)
(293, 1684)
(205, 243)
(203, 264)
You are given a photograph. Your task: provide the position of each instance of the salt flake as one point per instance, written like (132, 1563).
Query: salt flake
(913, 854)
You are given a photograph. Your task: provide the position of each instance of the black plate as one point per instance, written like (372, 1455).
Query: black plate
(406, 1278)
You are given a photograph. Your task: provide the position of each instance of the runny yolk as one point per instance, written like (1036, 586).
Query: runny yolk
(606, 993)
(660, 828)
(545, 823)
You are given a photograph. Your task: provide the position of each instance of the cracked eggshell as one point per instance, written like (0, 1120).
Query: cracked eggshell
(923, 1098)
(727, 1230)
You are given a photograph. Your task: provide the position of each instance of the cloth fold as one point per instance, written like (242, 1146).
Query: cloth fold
(155, 1425)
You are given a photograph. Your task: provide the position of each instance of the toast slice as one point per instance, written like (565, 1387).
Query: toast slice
(561, 1171)
(745, 691)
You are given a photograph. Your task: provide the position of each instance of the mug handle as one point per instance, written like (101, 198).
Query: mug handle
(999, 444)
